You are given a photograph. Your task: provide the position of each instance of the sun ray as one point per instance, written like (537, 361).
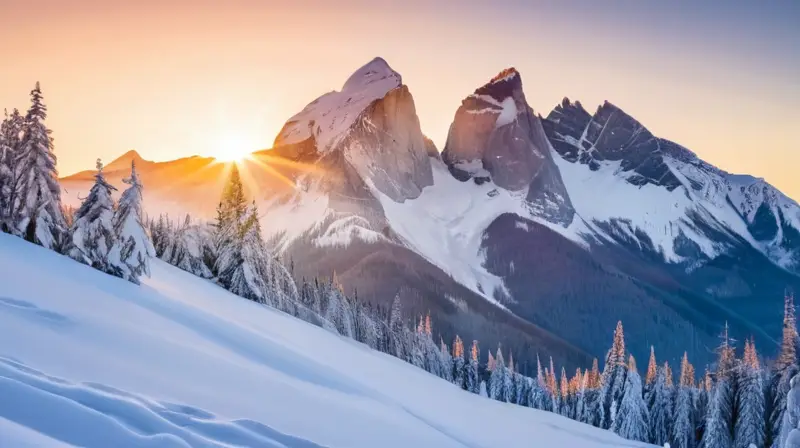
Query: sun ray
(273, 171)
(277, 160)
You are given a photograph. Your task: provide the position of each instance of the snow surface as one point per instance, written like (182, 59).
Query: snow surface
(329, 118)
(91, 360)
(446, 225)
(508, 114)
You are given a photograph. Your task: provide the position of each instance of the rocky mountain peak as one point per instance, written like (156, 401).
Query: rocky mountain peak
(329, 118)
(507, 83)
(374, 71)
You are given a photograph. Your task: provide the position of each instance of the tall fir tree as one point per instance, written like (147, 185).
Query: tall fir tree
(749, 427)
(784, 368)
(613, 379)
(631, 419)
(228, 235)
(497, 379)
(92, 233)
(683, 425)
(132, 247)
(38, 216)
(473, 380)
(652, 370)
(592, 398)
(10, 131)
(564, 405)
(249, 269)
(459, 364)
(719, 418)
(660, 408)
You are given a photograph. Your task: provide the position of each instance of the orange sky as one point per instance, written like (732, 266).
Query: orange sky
(177, 78)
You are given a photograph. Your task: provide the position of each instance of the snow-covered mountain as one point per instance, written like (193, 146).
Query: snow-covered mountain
(537, 232)
(90, 360)
(665, 191)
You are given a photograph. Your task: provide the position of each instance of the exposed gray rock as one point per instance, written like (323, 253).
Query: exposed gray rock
(495, 134)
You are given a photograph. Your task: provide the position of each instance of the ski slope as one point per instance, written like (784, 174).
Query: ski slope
(90, 360)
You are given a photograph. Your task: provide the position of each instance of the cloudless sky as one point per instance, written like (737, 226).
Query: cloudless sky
(174, 78)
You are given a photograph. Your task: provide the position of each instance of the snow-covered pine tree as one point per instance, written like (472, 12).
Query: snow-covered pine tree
(701, 399)
(497, 379)
(719, 419)
(397, 341)
(613, 379)
(37, 206)
(784, 368)
(459, 364)
(472, 380)
(228, 231)
(592, 398)
(523, 387)
(249, 277)
(580, 395)
(683, 427)
(749, 426)
(661, 408)
(10, 131)
(790, 436)
(446, 362)
(92, 233)
(631, 417)
(187, 246)
(652, 371)
(132, 248)
(564, 405)
(509, 387)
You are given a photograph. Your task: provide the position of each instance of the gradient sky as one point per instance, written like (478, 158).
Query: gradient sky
(176, 78)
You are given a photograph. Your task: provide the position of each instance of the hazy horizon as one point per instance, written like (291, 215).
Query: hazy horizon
(173, 79)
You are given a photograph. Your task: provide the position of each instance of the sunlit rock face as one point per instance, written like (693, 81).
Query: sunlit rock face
(496, 136)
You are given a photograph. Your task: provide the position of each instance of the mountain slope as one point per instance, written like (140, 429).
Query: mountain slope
(192, 365)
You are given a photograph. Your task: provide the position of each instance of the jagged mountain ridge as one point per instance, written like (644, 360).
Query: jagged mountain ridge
(537, 232)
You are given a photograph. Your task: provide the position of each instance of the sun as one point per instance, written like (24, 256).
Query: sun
(232, 148)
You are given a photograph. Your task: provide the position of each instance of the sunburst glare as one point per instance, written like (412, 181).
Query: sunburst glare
(232, 148)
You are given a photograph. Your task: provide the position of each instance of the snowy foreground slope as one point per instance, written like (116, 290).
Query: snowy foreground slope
(91, 360)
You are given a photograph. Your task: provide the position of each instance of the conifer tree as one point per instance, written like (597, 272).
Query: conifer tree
(459, 364)
(473, 382)
(661, 408)
(497, 379)
(790, 437)
(92, 233)
(228, 235)
(613, 379)
(749, 427)
(683, 427)
(784, 368)
(446, 362)
(10, 131)
(188, 246)
(631, 419)
(702, 397)
(652, 370)
(250, 271)
(564, 405)
(719, 418)
(552, 388)
(132, 248)
(37, 207)
(397, 340)
(592, 398)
